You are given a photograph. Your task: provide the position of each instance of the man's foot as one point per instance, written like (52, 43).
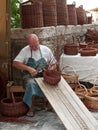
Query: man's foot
(30, 113)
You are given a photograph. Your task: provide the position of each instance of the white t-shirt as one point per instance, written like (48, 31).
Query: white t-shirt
(25, 53)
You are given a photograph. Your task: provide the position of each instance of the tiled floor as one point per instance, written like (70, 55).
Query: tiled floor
(45, 121)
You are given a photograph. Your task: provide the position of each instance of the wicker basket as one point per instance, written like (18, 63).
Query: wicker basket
(71, 48)
(52, 77)
(81, 15)
(91, 102)
(72, 16)
(72, 79)
(88, 51)
(82, 45)
(13, 107)
(81, 91)
(91, 98)
(31, 14)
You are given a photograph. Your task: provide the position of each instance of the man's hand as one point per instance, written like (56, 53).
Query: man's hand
(32, 71)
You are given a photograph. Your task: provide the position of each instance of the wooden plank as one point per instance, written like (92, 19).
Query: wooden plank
(67, 105)
(61, 106)
(55, 105)
(77, 103)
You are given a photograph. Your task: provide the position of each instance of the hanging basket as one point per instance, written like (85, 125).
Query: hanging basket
(72, 79)
(13, 107)
(52, 77)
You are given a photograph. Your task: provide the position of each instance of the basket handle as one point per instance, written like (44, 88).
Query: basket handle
(13, 98)
(81, 86)
(70, 67)
(94, 86)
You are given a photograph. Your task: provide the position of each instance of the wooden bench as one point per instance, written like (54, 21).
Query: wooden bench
(70, 109)
(14, 88)
(40, 102)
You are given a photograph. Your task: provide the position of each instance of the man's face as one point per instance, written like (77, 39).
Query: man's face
(33, 43)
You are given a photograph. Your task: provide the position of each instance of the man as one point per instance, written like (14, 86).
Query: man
(31, 60)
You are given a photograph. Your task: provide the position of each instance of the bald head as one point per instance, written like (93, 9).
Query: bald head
(33, 41)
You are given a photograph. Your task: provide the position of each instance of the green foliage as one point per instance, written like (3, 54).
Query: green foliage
(15, 14)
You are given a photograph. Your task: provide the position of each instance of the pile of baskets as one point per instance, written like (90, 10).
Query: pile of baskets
(85, 49)
(89, 96)
(91, 35)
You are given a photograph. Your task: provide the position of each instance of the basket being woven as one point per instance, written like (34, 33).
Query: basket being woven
(13, 107)
(52, 77)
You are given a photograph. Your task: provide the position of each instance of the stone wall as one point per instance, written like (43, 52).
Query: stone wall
(53, 37)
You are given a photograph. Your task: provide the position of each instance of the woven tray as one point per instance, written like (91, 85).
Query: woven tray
(88, 51)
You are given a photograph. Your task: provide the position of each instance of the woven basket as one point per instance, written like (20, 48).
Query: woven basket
(13, 107)
(81, 91)
(91, 98)
(72, 79)
(71, 48)
(72, 16)
(88, 51)
(82, 45)
(91, 102)
(81, 15)
(52, 77)
(31, 14)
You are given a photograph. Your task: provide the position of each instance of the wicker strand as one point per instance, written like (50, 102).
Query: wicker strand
(16, 120)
